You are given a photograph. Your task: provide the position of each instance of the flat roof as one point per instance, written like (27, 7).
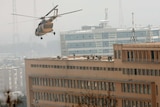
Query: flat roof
(76, 58)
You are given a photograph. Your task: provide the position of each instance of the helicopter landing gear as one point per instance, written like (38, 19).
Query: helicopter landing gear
(54, 33)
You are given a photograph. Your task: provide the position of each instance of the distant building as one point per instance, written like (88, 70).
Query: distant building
(99, 40)
(93, 40)
(12, 74)
(129, 79)
(12, 78)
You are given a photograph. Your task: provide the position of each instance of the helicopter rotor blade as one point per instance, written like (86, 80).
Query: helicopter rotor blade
(51, 10)
(24, 21)
(69, 12)
(25, 15)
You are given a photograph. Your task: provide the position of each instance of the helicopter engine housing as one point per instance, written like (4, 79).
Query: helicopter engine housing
(48, 25)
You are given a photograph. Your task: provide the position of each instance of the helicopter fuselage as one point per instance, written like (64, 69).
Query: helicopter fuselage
(45, 26)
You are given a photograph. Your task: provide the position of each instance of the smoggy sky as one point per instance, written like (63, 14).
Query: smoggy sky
(146, 12)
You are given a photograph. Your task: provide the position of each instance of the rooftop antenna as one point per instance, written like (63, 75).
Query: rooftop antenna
(104, 22)
(106, 13)
(133, 37)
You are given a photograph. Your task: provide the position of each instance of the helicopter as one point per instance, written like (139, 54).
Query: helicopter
(46, 24)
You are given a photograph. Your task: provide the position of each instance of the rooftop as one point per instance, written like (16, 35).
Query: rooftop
(78, 58)
(142, 45)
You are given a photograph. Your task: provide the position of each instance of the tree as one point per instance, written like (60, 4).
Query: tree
(10, 101)
(93, 100)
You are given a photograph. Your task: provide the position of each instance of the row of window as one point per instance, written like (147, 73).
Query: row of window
(93, 85)
(147, 72)
(128, 71)
(87, 99)
(75, 67)
(87, 36)
(83, 99)
(68, 83)
(136, 88)
(88, 44)
(133, 103)
(143, 56)
(106, 35)
(93, 51)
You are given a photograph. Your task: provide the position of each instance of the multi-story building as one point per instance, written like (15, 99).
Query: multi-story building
(99, 40)
(12, 78)
(130, 79)
(12, 74)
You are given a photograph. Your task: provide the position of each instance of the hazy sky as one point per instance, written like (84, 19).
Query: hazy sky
(145, 12)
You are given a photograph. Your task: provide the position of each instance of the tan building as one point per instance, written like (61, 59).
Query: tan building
(132, 79)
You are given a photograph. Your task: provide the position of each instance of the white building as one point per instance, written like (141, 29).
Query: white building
(99, 40)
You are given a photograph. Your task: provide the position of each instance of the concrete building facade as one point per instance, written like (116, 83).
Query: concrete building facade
(130, 79)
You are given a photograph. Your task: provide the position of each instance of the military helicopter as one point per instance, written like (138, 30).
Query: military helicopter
(46, 25)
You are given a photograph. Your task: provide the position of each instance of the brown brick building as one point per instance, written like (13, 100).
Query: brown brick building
(130, 79)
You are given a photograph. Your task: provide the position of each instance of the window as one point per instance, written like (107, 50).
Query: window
(145, 89)
(137, 88)
(100, 85)
(153, 72)
(131, 55)
(85, 85)
(141, 88)
(149, 89)
(115, 54)
(152, 55)
(82, 84)
(156, 89)
(123, 87)
(107, 86)
(119, 54)
(44, 81)
(33, 81)
(69, 83)
(128, 55)
(139, 72)
(133, 88)
(60, 82)
(156, 73)
(143, 72)
(135, 71)
(128, 88)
